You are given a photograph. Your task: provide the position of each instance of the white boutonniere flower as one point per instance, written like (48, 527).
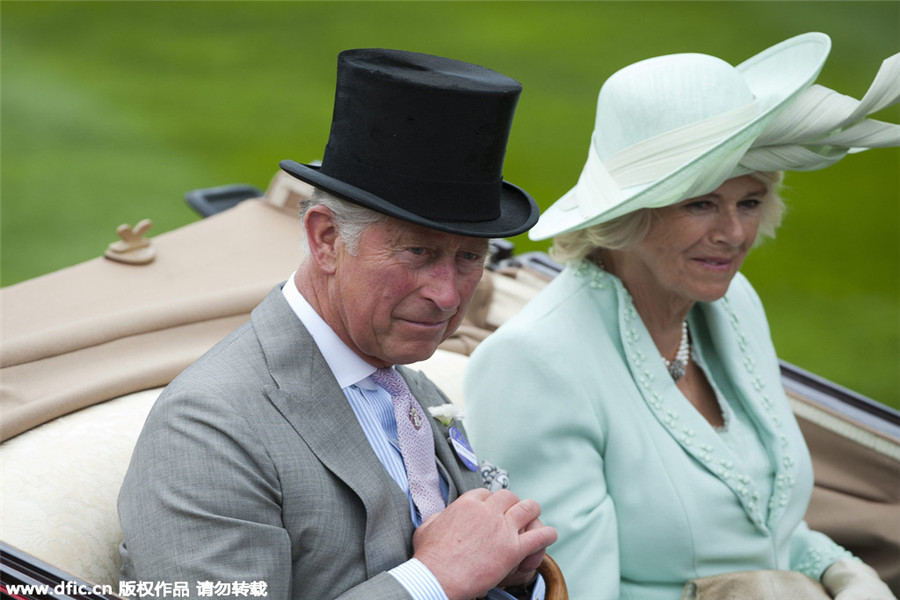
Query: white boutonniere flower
(445, 413)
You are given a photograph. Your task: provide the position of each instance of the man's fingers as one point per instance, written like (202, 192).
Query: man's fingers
(479, 494)
(501, 498)
(535, 540)
(532, 562)
(523, 512)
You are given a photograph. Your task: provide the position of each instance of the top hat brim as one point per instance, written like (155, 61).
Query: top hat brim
(518, 210)
(770, 75)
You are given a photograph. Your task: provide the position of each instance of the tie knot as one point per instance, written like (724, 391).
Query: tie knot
(390, 380)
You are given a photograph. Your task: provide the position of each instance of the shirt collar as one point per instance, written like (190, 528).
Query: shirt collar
(347, 366)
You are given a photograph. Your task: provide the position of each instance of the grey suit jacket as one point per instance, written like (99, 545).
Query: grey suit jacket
(252, 467)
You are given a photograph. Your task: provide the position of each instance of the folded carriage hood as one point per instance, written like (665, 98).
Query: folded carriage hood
(101, 329)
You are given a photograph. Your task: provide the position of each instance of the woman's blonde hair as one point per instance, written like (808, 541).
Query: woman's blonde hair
(630, 229)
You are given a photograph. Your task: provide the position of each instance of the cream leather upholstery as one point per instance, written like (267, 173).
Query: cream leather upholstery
(59, 481)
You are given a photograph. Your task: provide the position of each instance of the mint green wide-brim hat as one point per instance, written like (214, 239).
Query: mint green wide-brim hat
(677, 126)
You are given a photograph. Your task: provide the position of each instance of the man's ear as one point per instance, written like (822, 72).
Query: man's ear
(322, 237)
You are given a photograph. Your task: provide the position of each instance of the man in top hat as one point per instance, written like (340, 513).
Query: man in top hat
(296, 459)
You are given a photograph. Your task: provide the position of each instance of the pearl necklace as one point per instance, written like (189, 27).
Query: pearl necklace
(678, 366)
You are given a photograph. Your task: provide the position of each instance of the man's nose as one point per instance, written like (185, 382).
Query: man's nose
(442, 285)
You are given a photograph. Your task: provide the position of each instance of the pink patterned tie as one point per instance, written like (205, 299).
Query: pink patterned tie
(416, 443)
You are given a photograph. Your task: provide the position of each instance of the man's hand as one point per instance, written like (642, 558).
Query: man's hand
(526, 571)
(482, 540)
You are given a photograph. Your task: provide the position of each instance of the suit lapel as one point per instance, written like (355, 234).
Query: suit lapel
(763, 396)
(308, 397)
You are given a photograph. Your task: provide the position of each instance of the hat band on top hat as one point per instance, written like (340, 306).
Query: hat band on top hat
(602, 183)
(463, 201)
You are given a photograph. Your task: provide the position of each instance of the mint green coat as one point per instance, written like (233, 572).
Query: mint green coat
(572, 398)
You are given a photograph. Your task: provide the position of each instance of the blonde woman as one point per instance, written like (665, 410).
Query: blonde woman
(638, 397)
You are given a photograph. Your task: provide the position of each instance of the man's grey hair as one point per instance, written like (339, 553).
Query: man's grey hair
(349, 218)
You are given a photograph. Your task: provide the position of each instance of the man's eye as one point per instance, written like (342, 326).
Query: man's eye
(417, 250)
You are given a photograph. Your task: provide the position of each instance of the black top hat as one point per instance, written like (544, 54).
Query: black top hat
(422, 138)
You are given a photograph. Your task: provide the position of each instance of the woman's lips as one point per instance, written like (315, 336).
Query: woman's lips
(716, 264)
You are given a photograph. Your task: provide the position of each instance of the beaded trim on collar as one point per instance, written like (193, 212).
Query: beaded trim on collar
(814, 561)
(671, 419)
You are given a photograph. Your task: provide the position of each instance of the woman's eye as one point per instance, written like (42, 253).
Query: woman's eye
(698, 205)
(751, 203)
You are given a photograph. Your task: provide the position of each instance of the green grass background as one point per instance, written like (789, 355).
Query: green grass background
(110, 111)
